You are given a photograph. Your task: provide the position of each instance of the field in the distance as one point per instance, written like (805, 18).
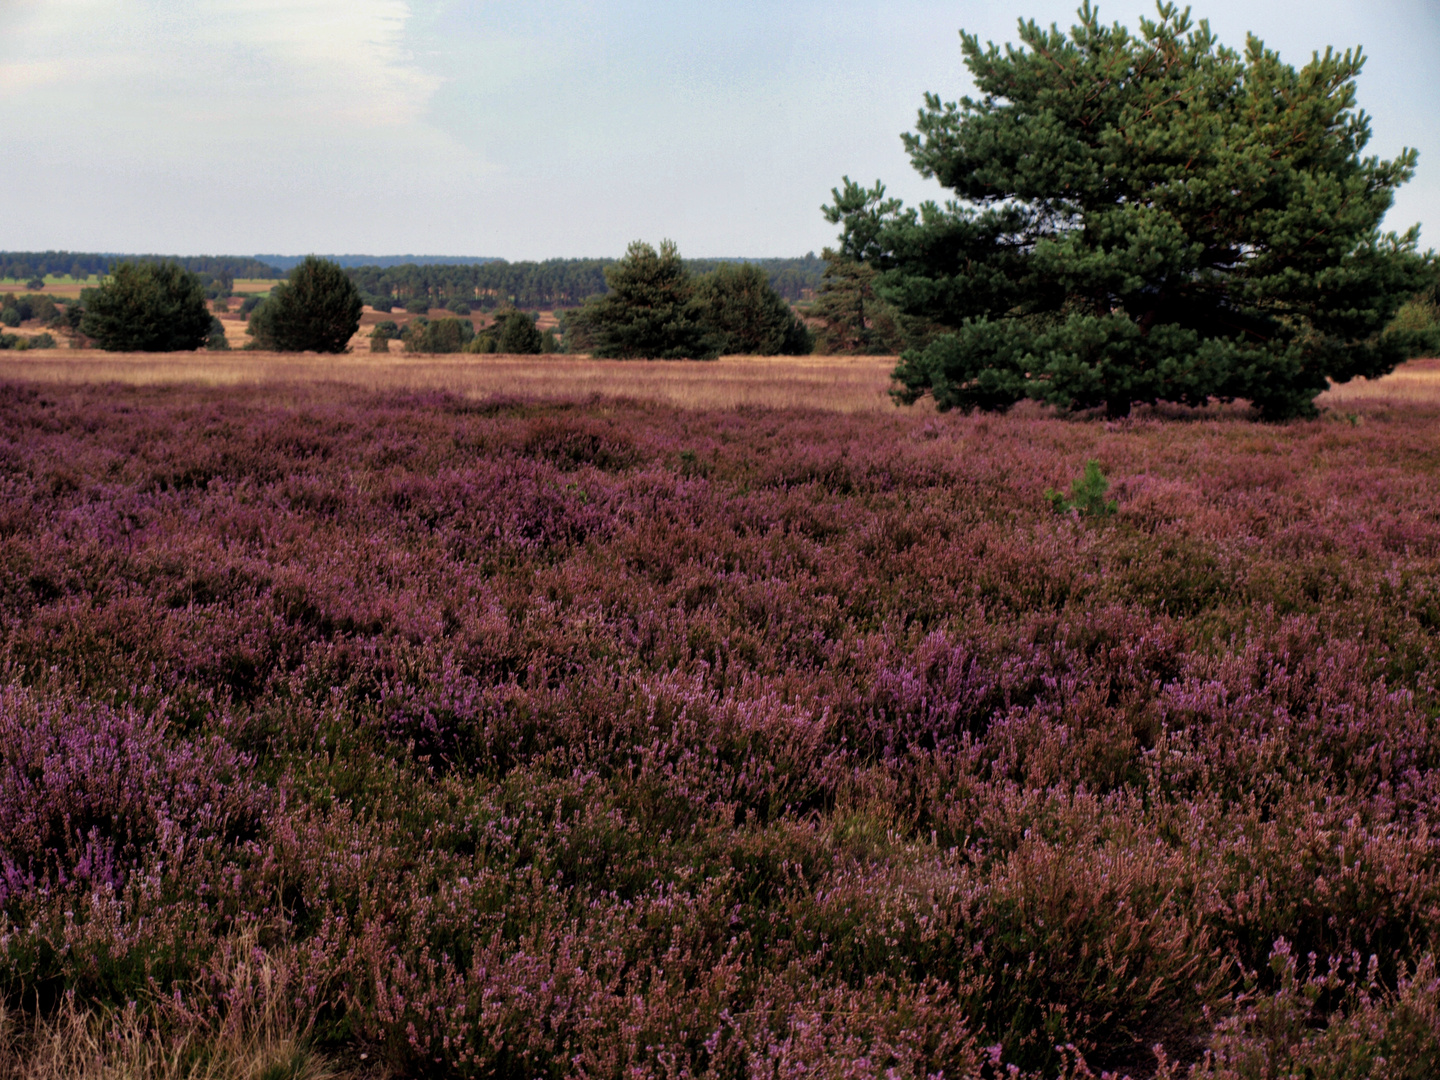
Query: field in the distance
(836, 383)
(349, 724)
(69, 288)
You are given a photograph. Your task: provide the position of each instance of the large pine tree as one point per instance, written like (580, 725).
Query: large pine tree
(147, 307)
(1141, 218)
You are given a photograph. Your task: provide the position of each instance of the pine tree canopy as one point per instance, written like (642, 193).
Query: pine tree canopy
(317, 309)
(741, 313)
(147, 307)
(1148, 217)
(648, 310)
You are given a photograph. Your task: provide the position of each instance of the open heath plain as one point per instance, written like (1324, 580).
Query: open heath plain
(487, 716)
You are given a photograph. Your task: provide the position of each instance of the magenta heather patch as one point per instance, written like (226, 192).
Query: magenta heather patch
(90, 794)
(607, 739)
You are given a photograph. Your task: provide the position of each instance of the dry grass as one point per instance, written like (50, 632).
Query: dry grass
(240, 1027)
(68, 290)
(845, 384)
(1415, 383)
(78, 1045)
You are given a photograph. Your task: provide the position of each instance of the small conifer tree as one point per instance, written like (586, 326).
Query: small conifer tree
(317, 309)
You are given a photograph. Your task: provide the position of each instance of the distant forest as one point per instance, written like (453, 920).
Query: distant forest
(288, 262)
(480, 283)
(23, 265)
(552, 283)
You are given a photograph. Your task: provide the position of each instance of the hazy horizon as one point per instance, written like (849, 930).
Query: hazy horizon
(558, 128)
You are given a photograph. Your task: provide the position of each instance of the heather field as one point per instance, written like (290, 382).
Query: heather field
(362, 731)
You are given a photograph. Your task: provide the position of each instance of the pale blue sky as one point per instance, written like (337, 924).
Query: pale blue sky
(543, 128)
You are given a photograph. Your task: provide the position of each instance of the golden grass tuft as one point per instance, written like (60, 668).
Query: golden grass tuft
(1415, 383)
(242, 1025)
(78, 1045)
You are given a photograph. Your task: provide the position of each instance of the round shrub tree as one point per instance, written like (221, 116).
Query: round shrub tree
(515, 333)
(147, 307)
(648, 312)
(440, 336)
(741, 314)
(317, 309)
(1143, 217)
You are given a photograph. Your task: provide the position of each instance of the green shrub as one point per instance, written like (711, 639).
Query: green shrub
(418, 305)
(741, 314)
(516, 333)
(10, 316)
(23, 305)
(511, 332)
(438, 336)
(381, 334)
(1087, 494)
(38, 307)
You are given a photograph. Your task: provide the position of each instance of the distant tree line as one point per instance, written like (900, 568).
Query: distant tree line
(554, 283)
(793, 279)
(25, 265)
(656, 309)
(488, 285)
(289, 262)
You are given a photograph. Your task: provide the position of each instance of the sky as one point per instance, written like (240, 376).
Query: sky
(543, 128)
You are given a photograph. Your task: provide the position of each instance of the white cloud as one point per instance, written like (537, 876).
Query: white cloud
(345, 61)
(17, 75)
(325, 62)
